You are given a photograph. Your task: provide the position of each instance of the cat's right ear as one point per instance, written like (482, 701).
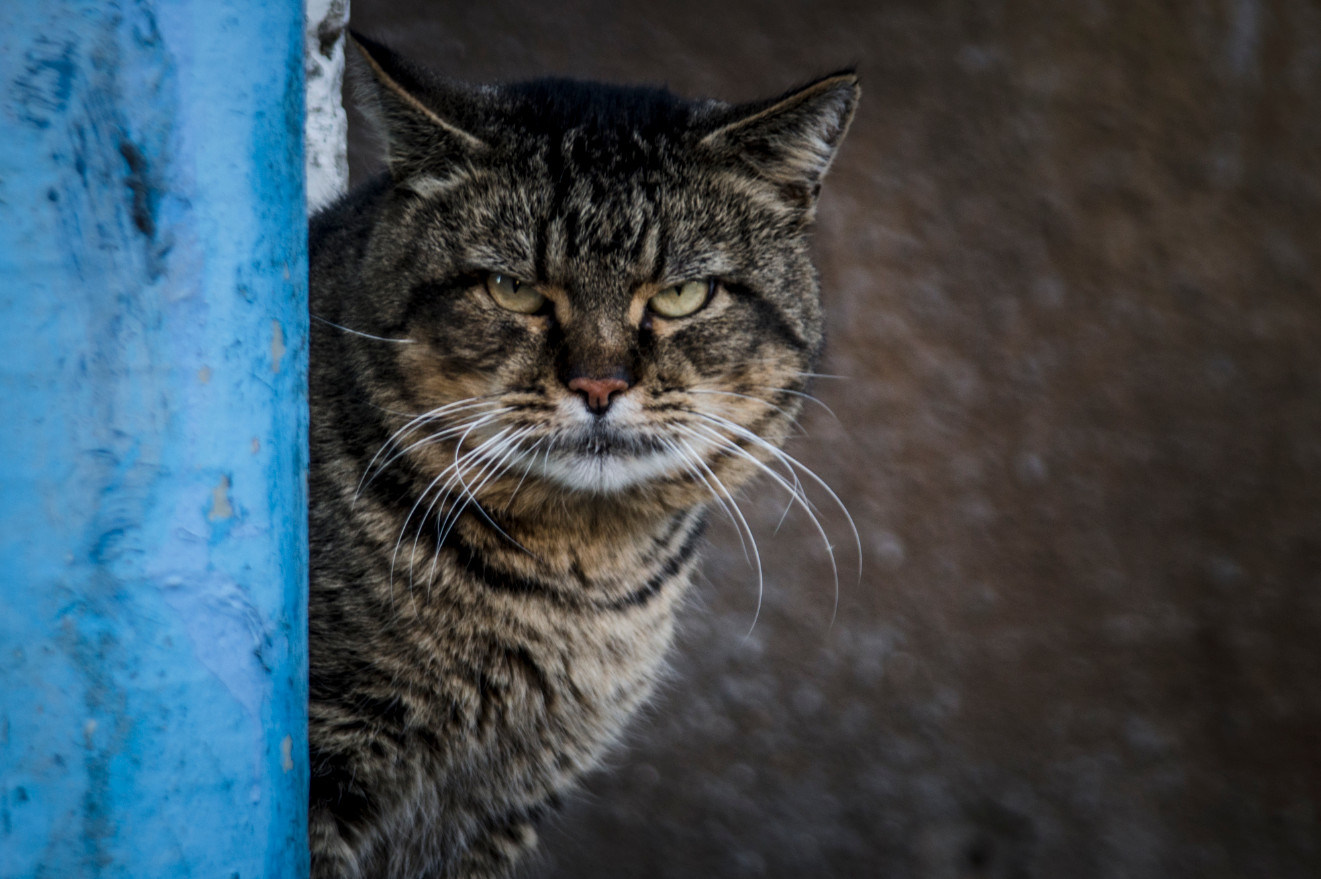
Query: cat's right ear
(418, 115)
(791, 140)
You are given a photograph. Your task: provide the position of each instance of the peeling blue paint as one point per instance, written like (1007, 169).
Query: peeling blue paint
(152, 525)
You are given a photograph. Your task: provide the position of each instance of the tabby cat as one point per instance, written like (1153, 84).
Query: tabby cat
(570, 320)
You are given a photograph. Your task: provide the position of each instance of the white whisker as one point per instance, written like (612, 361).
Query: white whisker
(761, 580)
(444, 434)
(795, 490)
(804, 395)
(360, 333)
(404, 528)
(416, 423)
(791, 463)
(743, 397)
(531, 455)
(468, 494)
(508, 446)
(795, 495)
(688, 459)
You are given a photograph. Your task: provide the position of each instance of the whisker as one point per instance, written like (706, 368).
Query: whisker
(804, 395)
(795, 490)
(413, 557)
(752, 539)
(510, 446)
(531, 454)
(360, 333)
(416, 423)
(468, 494)
(443, 434)
(795, 495)
(742, 396)
(687, 459)
(791, 463)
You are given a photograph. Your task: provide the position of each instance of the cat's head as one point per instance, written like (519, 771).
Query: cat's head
(607, 288)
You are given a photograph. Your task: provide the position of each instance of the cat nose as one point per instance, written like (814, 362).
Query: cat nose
(597, 391)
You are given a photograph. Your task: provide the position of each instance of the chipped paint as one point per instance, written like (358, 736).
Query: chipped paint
(277, 345)
(287, 754)
(256, 445)
(220, 505)
(204, 375)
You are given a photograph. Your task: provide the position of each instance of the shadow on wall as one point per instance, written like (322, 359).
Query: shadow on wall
(1071, 265)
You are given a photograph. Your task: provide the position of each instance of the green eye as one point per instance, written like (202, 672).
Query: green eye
(681, 300)
(513, 294)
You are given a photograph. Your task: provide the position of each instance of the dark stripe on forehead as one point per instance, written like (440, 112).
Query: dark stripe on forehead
(572, 222)
(640, 243)
(662, 251)
(561, 183)
(623, 241)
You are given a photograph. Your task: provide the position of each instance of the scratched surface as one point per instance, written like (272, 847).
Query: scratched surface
(1071, 255)
(152, 368)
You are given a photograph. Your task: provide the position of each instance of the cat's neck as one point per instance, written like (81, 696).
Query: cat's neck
(605, 546)
(542, 518)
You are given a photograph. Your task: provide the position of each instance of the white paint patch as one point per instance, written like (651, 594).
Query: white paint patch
(326, 126)
(287, 753)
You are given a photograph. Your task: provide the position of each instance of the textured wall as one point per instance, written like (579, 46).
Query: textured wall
(153, 542)
(1071, 256)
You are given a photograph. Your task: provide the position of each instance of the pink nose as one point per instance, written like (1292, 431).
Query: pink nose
(598, 391)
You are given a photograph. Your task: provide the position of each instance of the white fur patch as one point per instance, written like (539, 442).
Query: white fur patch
(604, 472)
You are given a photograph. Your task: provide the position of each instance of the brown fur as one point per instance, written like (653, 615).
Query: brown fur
(494, 585)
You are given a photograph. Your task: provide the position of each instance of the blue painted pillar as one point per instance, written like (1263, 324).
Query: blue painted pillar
(152, 439)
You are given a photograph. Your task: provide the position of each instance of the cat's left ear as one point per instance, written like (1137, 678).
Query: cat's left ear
(791, 140)
(421, 116)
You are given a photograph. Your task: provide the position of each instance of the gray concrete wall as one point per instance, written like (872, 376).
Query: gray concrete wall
(1071, 256)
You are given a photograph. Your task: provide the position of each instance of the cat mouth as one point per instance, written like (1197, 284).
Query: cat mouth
(604, 460)
(604, 442)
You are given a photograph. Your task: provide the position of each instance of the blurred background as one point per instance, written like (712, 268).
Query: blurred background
(1071, 257)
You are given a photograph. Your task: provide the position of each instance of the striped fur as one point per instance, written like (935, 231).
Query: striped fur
(495, 568)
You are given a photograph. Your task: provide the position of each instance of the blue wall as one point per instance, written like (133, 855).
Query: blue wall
(152, 439)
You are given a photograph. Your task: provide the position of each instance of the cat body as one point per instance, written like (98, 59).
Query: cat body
(565, 326)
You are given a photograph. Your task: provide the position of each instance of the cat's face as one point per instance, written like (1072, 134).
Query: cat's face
(605, 289)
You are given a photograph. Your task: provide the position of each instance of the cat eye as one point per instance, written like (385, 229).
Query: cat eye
(681, 300)
(512, 294)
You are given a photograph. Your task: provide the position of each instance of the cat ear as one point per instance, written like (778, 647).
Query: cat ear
(415, 112)
(791, 140)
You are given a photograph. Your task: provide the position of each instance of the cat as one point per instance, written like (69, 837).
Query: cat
(568, 322)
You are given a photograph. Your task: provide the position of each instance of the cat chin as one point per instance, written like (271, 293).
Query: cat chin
(606, 473)
(606, 455)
